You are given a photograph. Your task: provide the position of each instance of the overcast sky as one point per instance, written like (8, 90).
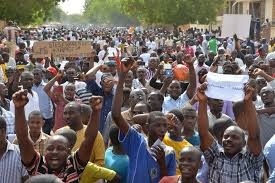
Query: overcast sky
(72, 6)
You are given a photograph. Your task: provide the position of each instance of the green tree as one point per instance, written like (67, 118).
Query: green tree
(175, 12)
(107, 11)
(26, 11)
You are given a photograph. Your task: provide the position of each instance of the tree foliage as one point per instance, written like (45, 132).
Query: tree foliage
(107, 11)
(174, 12)
(26, 11)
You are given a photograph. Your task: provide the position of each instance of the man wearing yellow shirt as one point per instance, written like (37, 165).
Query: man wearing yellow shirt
(3, 68)
(72, 116)
(173, 137)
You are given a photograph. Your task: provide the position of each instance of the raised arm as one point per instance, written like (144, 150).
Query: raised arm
(191, 89)
(203, 124)
(253, 142)
(86, 146)
(260, 72)
(50, 84)
(27, 151)
(123, 69)
(93, 71)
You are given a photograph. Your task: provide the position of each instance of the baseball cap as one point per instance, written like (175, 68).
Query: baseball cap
(52, 70)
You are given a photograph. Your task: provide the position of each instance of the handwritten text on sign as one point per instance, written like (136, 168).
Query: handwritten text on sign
(225, 86)
(43, 49)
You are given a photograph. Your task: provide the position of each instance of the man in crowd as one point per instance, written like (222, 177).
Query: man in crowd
(57, 159)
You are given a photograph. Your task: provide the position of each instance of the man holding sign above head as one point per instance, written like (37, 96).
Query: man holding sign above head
(232, 162)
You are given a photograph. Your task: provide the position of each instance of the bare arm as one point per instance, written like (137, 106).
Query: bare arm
(27, 151)
(253, 143)
(93, 71)
(123, 69)
(191, 89)
(259, 72)
(86, 146)
(203, 124)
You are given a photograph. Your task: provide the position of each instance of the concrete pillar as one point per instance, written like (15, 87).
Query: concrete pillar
(245, 7)
(268, 9)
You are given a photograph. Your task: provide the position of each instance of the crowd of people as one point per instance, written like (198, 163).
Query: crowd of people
(136, 109)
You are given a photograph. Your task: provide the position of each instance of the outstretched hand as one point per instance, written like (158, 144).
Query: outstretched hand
(201, 92)
(20, 98)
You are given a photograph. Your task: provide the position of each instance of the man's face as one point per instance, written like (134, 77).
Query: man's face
(155, 102)
(35, 124)
(136, 97)
(3, 90)
(57, 152)
(129, 79)
(27, 81)
(37, 76)
(189, 164)
(71, 73)
(141, 73)
(140, 109)
(72, 115)
(215, 105)
(69, 91)
(158, 128)
(232, 141)
(152, 64)
(201, 59)
(267, 95)
(174, 89)
(261, 82)
(190, 119)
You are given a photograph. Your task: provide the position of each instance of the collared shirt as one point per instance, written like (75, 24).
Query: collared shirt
(107, 102)
(136, 84)
(267, 126)
(40, 144)
(142, 166)
(6, 104)
(69, 174)
(169, 103)
(243, 166)
(45, 103)
(9, 117)
(269, 153)
(11, 167)
(32, 105)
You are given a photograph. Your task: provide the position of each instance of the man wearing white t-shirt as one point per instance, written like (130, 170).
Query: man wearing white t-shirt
(145, 55)
(33, 104)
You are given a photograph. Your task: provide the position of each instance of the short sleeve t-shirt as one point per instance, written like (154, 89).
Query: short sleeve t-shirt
(143, 167)
(118, 163)
(70, 174)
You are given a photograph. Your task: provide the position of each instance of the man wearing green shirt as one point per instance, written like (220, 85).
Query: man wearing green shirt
(213, 44)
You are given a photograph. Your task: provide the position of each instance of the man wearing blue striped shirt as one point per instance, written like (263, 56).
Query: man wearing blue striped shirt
(11, 167)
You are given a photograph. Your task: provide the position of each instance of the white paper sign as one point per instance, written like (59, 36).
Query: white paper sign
(225, 86)
(236, 24)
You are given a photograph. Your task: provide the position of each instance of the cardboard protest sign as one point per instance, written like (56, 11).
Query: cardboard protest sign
(62, 49)
(225, 86)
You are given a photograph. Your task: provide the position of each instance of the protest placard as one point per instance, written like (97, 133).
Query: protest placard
(62, 49)
(225, 86)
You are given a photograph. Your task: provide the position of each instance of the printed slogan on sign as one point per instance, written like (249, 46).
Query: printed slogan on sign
(43, 49)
